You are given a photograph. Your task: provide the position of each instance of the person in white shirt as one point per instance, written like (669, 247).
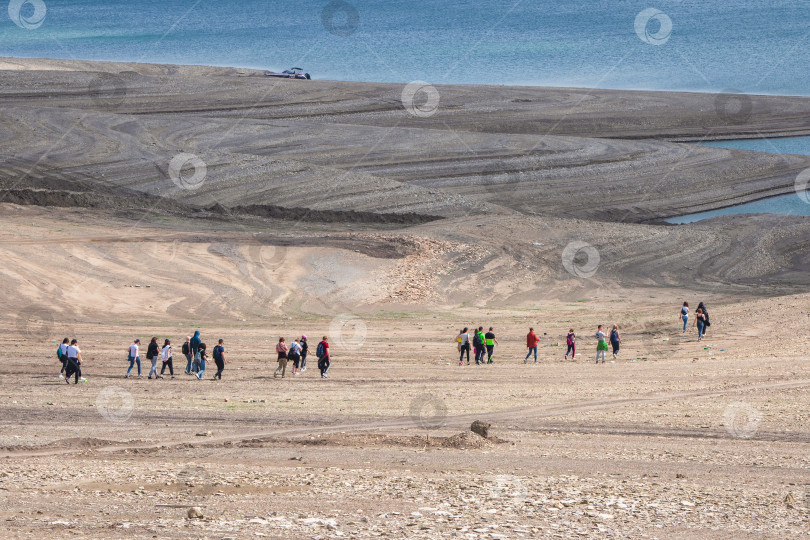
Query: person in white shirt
(74, 362)
(601, 345)
(166, 356)
(684, 315)
(134, 358)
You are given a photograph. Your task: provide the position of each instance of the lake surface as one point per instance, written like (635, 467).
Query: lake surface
(793, 204)
(750, 46)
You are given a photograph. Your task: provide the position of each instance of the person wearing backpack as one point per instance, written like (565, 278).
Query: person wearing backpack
(478, 345)
(491, 341)
(295, 356)
(571, 341)
(304, 350)
(322, 352)
(74, 362)
(152, 353)
(166, 356)
(684, 315)
(615, 340)
(61, 354)
(219, 359)
(187, 353)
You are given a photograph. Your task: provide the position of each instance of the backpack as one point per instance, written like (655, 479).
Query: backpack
(59, 353)
(186, 348)
(570, 339)
(320, 352)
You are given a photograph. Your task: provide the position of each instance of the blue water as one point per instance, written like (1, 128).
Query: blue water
(792, 204)
(786, 145)
(752, 46)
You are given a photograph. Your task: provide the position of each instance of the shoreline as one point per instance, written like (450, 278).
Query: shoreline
(260, 71)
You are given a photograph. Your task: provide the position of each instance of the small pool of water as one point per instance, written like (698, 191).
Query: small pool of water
(787, 145)
(789, 205)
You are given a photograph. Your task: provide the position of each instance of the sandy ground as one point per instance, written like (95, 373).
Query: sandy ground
(675, 438)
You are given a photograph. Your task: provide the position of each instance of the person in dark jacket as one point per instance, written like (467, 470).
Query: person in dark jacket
(323, 357)
(304, 350)
(153, 353)
(219, 358)
(187, 354)
(194, 348)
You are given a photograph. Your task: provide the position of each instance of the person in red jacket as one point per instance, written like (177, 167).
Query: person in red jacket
(322, 352)
(531, 343)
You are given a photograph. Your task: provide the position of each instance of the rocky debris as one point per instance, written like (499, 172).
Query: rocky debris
(195, 512)
(480, 428)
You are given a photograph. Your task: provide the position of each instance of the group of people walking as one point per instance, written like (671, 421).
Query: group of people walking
(70, 357)
(484, 343)
(194, 350)
(701, 318)
(297, 352)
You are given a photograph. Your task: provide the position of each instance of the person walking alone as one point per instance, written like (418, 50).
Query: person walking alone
(322, 352)
(134, 357)
(166, 356)
(571, 342)
(219, 359)
(531, 344)
(281, 349)
(152, 353)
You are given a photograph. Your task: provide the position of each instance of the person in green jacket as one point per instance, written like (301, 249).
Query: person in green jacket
(479, 343)
(491, 341)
